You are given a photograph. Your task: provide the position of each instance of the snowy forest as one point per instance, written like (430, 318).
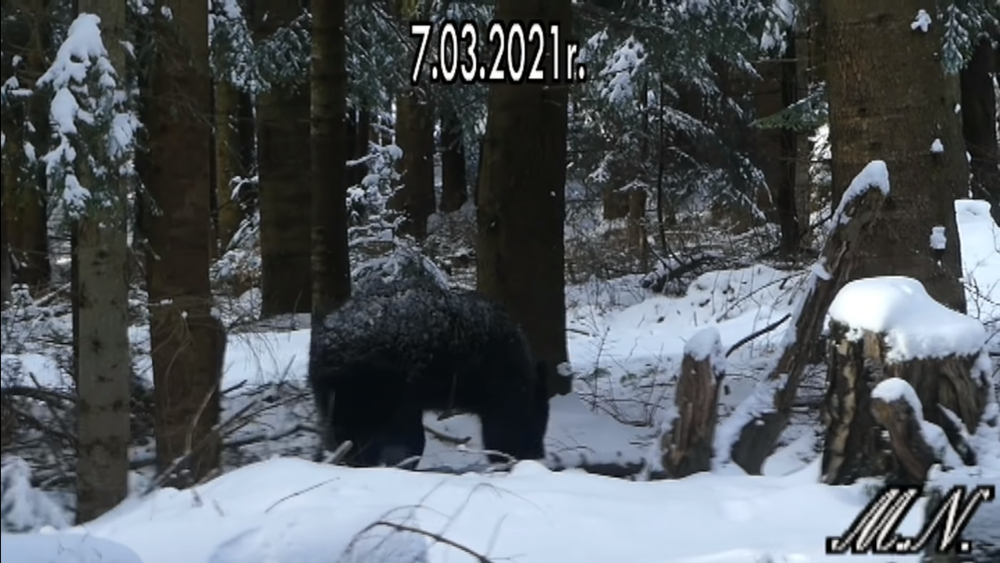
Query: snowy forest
(441, 281)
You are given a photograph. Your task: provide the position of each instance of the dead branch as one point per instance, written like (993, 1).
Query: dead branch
(757, 334)
(436, 537)
(765, 422)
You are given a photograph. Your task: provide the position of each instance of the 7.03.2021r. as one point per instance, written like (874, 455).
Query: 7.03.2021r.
(514, 53)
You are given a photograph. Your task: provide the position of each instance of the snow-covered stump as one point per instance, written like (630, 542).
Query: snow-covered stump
(894, 408)
(688, 445)
(900, 361)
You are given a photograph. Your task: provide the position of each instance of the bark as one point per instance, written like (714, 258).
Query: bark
(979, 118)
(688, 447)
(187, 342)
(521, 191)
(635, 227)
(103, 360)
(771, 405)
(776, 148)
(246, 130)
(454, 184)
(6, 125)
(358, 129)
(331, 274)
(415, 136)
(359, 146)
(25, 182)
(890, 100)
(913, 455)
(227, 161)
(854, 444)
(285, 187)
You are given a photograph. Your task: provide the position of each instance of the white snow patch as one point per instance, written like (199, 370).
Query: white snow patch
(922, 22)
(915, 325)
(939, 241)
(704, 344)
(895, 388)
(937, 146)
(875, 174)
(63, 548)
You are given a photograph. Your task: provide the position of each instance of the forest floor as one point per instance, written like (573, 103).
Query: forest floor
(625, 346)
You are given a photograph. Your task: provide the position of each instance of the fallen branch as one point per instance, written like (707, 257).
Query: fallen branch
(756, 334)
(436, 537)
(447, 438)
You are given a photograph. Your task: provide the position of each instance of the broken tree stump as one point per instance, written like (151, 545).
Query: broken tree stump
(687, 446)
(759, 421)
(900, 362)
(896, 407)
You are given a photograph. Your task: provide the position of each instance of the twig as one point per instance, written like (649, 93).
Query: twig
(436, 537)
(756, 334)
(446, 437)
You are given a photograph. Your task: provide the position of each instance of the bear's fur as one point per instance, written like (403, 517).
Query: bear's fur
(382, 359)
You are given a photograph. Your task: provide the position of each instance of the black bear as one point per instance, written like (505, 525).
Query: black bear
(382, 359)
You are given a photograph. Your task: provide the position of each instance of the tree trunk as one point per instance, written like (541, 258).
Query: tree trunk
(979, 119)
(103, 356)
(6, 177)
(27, 122)
(285, 189)
(331, 269)
(454, 184)
(521, 207)
(891, 100)
(415, 136)
(775, 156)
(187, 341)
(227, 161)
(359, 146)
(247, 133)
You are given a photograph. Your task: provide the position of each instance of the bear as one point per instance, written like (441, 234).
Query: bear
(385, 357)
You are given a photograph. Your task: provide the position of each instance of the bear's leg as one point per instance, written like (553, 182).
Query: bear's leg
(404, 437)
(387, 431)
(513, 432)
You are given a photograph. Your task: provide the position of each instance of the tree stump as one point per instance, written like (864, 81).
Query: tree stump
(687, 446)
(889, 331)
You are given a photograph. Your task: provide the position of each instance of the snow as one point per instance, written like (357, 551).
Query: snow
(922, 21)
(63, 548)
(306, 512)
(893, 389)
(980, 238)
(914, 324)
(939, 241)
(875, 174)
(624, 345)
(937, 146)
(704, 344)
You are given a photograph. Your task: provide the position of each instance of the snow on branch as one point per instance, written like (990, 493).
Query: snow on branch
(88, 103)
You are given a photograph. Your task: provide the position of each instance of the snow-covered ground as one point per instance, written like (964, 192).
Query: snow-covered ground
(625, 347)
(291, 510)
